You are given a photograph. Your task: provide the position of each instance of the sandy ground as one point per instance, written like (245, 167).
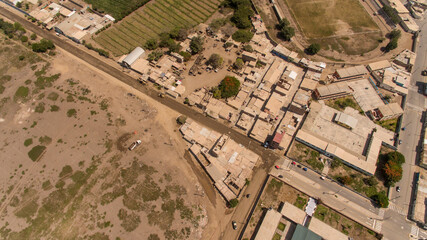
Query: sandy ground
(106, 121)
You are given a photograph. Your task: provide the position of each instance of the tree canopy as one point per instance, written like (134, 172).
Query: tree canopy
(286, 31)
(196, 45)
(242, 12)
(313, 48)
(43, 45)
(393, 167)
(215, 60)
(229, 87)
(238, 64)
(151, 44)
(242, 35)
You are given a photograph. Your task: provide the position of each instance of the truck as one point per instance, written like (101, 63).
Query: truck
(134, 145)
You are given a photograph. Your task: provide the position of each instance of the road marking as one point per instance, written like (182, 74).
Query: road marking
(381, 212)
(378, 225)
(397, 209)
(414, 231)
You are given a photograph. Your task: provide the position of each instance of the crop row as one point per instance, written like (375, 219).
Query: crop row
(153, 19)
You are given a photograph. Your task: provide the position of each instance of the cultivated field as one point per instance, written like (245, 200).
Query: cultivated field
(66, 172)
(154, 18)
(117, 9)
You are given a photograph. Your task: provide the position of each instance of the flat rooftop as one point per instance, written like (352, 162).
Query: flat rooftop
(348, 144)
(365, 94)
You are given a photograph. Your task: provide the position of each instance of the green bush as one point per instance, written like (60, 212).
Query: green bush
(233, 203)
(28, 142)
(24, 39)
(43, 46)
(381, 199)
(21, 93)
(238, 64)
(229, 87)
(67, 169)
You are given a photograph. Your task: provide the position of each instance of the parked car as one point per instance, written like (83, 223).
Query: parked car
(293, 163)
(299, 166)
(234, 225)
(397, 189)
(424, 72)
(322, 177)
(305, 169)
(276, 167)
(161, 95)
(266, 144)
(134, 145)
(400, 142)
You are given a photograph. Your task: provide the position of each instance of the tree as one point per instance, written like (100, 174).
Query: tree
(33, 36)
(233, 202)
(313, 48)
(381, 199)
(238, 64)
(248, 48)
(215, 60)
(179, 34)
(151, 44)
(174, 47)
(241, 16)
(196, 45)
(229, 87)
(396, 157)
(228, 44)
(286, 31)
(393, 172)
(19, 4)
(371, 181)
(242, 35)
(394, 34)
(154, 56)
(186, 55)
(24, 39)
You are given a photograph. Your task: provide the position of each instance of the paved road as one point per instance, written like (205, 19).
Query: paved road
(396, 221)
(267, 156)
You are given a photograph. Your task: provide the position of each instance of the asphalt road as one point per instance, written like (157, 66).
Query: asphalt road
(395, 222)
(267, 156)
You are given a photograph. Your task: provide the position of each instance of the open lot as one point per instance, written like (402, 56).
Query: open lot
(150, 21)
(343, 26)
(320, 19)
(66, 171)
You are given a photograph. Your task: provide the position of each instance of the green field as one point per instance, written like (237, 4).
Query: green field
(154, 18)
(117, 8)
(320, 19)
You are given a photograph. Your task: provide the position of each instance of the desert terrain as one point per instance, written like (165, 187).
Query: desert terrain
(66, 169)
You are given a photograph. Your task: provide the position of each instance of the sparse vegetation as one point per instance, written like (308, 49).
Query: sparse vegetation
(28, 142)
(72, 113)
(21, 94)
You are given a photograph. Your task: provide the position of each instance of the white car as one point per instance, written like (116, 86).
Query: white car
(134, 145)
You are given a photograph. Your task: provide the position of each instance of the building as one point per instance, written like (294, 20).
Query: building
(284, 53)
(228, 164)
(386, 112)
(406, 59)
(347, 135)
(375, 66)
(331, 91)
(351, 73)
(132, 57)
